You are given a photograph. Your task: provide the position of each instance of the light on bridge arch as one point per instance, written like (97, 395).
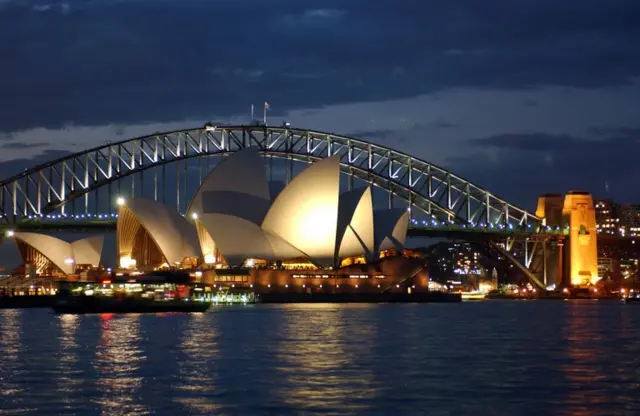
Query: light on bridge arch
(120, 201)
(10, 233)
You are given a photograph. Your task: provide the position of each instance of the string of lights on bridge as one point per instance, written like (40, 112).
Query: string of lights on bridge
(415, 223)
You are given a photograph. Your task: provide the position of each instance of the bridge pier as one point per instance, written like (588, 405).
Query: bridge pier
(575, 261)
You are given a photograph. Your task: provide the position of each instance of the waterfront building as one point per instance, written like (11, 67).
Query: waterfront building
(237, 234)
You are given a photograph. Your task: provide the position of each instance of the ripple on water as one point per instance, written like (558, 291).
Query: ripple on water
(476, 358)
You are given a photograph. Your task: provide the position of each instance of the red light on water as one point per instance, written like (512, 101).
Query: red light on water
(106, 316)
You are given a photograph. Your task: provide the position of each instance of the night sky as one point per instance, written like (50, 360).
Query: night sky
(522, 97)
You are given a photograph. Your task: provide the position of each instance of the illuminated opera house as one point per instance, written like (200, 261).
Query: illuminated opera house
(45, 255)
(235, 234)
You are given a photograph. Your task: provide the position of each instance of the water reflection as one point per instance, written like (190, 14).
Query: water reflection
(581, 369)
(322, 372)
(117, 360)
(499, 358)
(600, 362)
(70, 378)
(11, 367)
(196, 384)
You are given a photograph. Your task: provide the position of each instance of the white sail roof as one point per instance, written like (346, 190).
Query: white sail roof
(239, 239)
(355, 224)
(62, 254)
(88, 250)
(173, 234)
(305, 213)
(237, 186)
(390, 228)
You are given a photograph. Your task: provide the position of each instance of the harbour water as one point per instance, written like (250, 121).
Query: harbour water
(492, 357)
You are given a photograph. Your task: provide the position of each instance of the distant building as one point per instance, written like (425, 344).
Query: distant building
(607, 218)
(629, 218)
(613, 218)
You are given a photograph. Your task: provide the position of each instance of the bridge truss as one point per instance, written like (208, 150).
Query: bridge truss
(70, 186)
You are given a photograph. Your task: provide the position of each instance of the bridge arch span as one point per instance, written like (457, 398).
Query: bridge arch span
(427, 187)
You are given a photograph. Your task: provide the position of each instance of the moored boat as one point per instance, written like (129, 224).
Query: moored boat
(476, 295)
(158, 292)
(631, 298)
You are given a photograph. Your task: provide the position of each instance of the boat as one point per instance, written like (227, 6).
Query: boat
(475, 295)
(156, 292)
(631, 298)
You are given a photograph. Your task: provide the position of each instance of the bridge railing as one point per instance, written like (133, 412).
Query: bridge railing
(76, 184)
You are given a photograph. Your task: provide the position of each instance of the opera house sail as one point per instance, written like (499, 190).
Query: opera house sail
(305, 213)
(236, 218)
(229, 208)
(390, 228)
(150, 234)
(55, 257)
(355, 224)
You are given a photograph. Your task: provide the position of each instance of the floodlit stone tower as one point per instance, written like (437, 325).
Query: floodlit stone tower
(550, 208)
(579, 213)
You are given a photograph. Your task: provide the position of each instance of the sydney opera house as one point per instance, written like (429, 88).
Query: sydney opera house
(237, 234)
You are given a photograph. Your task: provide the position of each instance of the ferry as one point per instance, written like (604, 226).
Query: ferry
(631, 298)
(156, 292)
(474, 295)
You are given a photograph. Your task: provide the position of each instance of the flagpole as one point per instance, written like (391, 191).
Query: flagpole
(251, 112)
(265, 113)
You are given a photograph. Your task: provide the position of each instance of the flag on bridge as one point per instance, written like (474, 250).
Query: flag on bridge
(266, 107)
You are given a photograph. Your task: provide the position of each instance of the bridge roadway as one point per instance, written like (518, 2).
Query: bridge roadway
(106, 222)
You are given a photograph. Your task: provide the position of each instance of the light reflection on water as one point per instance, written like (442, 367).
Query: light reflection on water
(117, 359)
(321, 355)
(561, 358)
(70, 377)
(196, 381)
(11, 371)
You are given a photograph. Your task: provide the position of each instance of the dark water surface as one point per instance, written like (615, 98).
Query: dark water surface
(494, 357)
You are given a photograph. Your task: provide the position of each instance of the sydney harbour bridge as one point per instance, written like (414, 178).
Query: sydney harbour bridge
(78, 192)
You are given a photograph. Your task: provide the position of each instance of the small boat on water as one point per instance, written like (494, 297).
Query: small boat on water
(157, 292)
(631, 298)
(475, 295)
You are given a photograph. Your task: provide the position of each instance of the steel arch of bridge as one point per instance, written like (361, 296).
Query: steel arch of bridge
(437, 192)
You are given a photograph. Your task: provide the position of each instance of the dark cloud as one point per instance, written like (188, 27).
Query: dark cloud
(22, 145)
(442, 124)
(136, 61)
(620, 132)
(523, 166)
(382, 134)
(528, 141)
(15, 166)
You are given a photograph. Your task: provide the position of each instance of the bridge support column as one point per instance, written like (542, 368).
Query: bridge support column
(560, 262)
(577, 253)
(579, 212)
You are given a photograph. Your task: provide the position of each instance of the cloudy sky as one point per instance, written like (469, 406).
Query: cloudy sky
(522, 97)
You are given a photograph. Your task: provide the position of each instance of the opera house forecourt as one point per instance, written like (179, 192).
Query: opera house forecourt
(310, 242)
